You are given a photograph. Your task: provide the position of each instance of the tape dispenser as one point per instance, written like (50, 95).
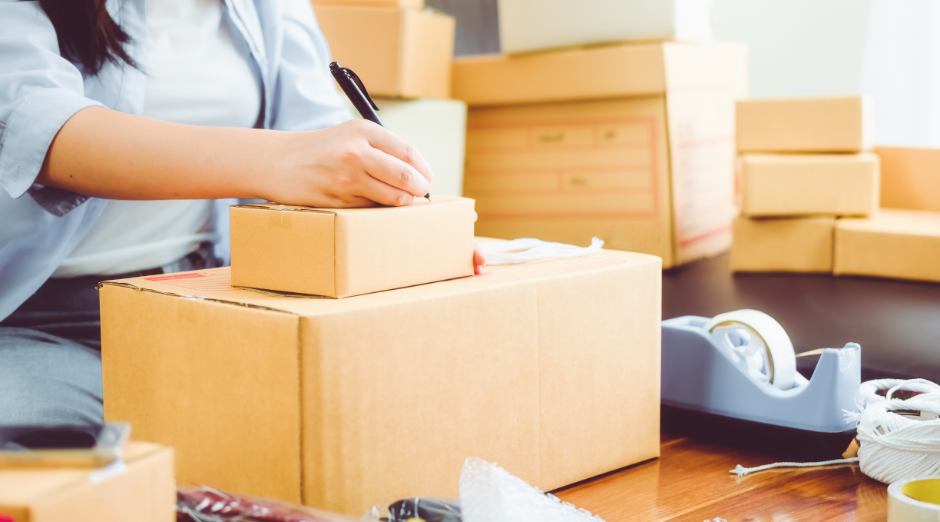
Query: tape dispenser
(732, 379)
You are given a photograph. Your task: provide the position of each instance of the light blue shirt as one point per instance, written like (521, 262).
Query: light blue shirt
(40, 91)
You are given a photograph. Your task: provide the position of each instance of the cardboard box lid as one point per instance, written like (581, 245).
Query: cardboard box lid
(600, 72)
(21, 488)
(215, 285)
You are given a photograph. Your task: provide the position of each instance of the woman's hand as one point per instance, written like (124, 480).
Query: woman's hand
(109, 154)
(479, 259)
(353, 164)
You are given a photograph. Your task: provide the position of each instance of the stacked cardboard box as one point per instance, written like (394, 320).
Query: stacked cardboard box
(403, 52)
(902, 240)
(347, 357)
(142, 489)
(550, 368)
(632, 143)
(803, 164)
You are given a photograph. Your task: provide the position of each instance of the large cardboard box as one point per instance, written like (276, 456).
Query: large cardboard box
(142, 490)
(910, 178)
(397, 52)
(345, 252)
(782, 244)
(438, 129)
(530, 25)
(902, 244)
(640, 155)
(806, 184)
(550, 368)
(836, 124)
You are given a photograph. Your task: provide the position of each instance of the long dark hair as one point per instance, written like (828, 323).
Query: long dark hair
(87, 34)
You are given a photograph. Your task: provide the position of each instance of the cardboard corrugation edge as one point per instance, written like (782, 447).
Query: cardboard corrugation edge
(192, 297)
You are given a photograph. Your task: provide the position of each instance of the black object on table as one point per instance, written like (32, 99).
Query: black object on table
(896, 322)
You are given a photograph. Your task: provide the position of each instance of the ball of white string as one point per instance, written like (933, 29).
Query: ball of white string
(893, 446)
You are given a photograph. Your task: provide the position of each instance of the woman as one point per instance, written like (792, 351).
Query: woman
(120, 123)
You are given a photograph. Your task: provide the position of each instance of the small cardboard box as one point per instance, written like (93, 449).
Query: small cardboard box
(910, 178)
(550, 368)
(397, 52)
(649, 168)
(438, 129)
(902, 244)
(782, 244)
(531, 25)
(346, 252)
(806, 184)
(837, 124)
(144, 490)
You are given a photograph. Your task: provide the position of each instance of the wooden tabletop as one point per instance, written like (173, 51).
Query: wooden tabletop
(691, 482)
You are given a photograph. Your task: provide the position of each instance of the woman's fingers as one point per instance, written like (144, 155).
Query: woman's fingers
(394, 173)
(387, 142)
(479, 258)
(383, 193)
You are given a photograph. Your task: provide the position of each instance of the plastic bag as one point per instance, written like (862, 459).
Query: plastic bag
(417, 510)
(204, 504)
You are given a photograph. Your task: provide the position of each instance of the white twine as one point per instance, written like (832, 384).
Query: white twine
(899, 439)
(528, 249)
(740, 470)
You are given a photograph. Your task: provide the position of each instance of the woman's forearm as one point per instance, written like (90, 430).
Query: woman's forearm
(104, 153)
(110, 154)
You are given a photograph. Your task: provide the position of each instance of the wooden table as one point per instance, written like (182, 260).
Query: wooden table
(690, 482)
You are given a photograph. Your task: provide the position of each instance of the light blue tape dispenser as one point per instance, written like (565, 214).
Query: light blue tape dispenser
(732, 378)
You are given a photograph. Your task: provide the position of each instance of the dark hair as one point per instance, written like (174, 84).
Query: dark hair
(87, 34)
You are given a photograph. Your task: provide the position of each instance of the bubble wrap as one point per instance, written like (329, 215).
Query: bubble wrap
(488, 493)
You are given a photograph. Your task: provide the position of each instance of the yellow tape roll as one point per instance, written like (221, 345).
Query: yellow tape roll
(916, 500)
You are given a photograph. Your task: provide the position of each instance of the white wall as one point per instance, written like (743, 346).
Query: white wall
(889, 49)
(798, 47)
(901, 71)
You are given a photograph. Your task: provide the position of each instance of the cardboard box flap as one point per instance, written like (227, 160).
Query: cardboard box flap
(599, 72)
(215, 285)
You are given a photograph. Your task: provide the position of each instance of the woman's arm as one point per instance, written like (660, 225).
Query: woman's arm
(109, 154)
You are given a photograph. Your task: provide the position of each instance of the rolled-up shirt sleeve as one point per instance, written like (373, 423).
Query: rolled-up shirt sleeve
(39, 92)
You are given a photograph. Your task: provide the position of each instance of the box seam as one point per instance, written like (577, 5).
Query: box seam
(192, 297)
(300, 412)
(538, 380)
(673, 237)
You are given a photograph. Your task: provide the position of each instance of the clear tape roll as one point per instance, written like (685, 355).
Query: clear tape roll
(915, 500)
(781, 359)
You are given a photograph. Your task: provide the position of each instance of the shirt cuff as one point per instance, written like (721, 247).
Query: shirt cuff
(29, 132)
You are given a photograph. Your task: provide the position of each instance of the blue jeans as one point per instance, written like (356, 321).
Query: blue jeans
(50, 350)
